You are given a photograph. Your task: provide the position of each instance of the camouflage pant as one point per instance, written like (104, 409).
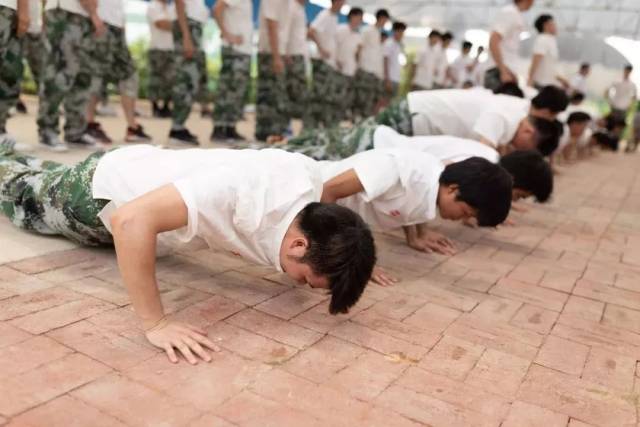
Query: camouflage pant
(188, 73)
(202, 93)
(297, 89)
(271, 100)
(233, 83)
(33, 51)
(54, 199)
(323, 102)
(338, 143)
(161, 74)
(11, 67)
(345, 93)
(368, 90)
(111, 60)
(66, 74)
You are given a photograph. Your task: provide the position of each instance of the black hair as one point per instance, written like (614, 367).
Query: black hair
(467, 45)
(341, 248)
(530, 172)
(355, 11)
(548, 133)
(628, 67)
(382, 13)
(552, 98)
(447, 36)
(509, 88)
(435, 33)
(585, 65)
(606, 141)
(484, 186)
(399, 26)
(578, 117)
(577, 97)
(541, 21)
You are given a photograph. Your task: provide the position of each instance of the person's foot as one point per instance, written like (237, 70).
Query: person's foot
(233, 134)
(85, 140)
(182, 136)
(219, 133)
(136, 134)
(51, 141)
(95, 130)
(165, 111)
(156, 111)
(21, 107)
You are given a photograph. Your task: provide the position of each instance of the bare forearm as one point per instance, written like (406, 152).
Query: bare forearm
(274, 37)
(23, 7)
(494, 48)
(410, 233)
(182, 19)
(164, 25)
(535, 63)
(218, 15)
(91, 6)
(313, 36)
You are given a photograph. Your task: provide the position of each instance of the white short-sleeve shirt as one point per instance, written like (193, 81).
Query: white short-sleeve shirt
(392, 51)
(297, 36)
(579, 83)
(242, 201)
(112, 12)
(400, 186)
(442, 64)
(347, 42)
(623, 94)
(72, 6)
(197, 10)
(447, 149)
(273, 10)
(509, 23)
(326, 26)
(460, 69)
(426, 67)
(371, 58)
(35, 17)
(159, 11)
(238, 20)
(11, 4)
(546, 74)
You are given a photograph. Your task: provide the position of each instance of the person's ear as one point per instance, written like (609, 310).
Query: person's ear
(452, 188)
(298, 247)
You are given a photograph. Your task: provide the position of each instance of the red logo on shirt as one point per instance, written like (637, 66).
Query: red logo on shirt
(394, 213)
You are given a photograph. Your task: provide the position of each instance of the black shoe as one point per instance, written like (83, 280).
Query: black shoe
(85, 140)
(165, 111)
(219, 133)
(20, 107)
(95, 130)
(183, 136)
(233, 134)
(137, 134)
(156, 111)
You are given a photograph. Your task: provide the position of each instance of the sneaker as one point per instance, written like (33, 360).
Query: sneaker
(183, 136)
(137, 134)
(51, 141)
(20, 107)
(95, 130)
(84, 140)
(233, 134)
(219, 133)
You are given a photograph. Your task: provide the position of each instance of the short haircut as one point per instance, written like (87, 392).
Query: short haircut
(509, 88)
(467, 45)
(399, 26)
(541, 21)
(447, 36)
(548, 136)
(552, 98)
(578, 117)
(606, 141)
(585, 65)
(382, 13)
(530, 172)
(484, 186)
(341, 248)
(628, 67)
(577, 96)
(355, 11)
(435, 33)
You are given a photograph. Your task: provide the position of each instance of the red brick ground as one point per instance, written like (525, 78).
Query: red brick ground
(533, 325)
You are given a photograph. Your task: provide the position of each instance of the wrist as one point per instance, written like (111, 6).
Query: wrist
(152, 324)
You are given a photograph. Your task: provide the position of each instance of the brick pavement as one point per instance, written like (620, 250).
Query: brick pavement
(533, 325)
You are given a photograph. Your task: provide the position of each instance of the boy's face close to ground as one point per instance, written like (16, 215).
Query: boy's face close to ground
(518, 194)
(291, 252)
(525, 138)
(450, 207)
(577, 128)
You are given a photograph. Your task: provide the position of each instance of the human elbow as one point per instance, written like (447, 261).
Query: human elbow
(124, 220)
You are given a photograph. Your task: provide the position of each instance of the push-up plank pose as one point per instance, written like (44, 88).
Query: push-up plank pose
(503, 122)
(261, 205)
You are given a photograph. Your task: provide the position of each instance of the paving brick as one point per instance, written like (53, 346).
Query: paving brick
(10, 335)
(452, 358)
(18, 283)
(394, 328)
(239, 287)
(577, 398)
(23, 391)
(438, 294)
(562, 281)
(291, 303)
(582, 308)
(319, 319)
(529, 273)
(622, 317)
(92, 267)
(208, 420)
(433, 318)
(27, 355)
(524, 414)
(497, 308)
(110, 348)
(41, 300)
(216, 260)
(607, 293)
(134, 403)
(106, 291)
(56, 260)
(399, 306)
(478, 281)
(534, 295)
(498, 372)
(275, 328)
(601, 336)
(562, 355)
(575, 423)
(535, 319)
(65, 411)
(611, 370)
(205, 313)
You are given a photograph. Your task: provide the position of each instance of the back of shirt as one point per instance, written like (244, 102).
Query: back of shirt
(546, 45)
(371, 53)
(275, 11)
(326, 26)
(238, 20)
(159, 11)
(392, 51)
(347, 43)
(297, 31)
(509, 23)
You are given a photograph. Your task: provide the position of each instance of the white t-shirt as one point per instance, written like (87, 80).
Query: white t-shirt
(579, 83)
(72, 6)
(297, 38)
(547, 71)
(442, 64)
(112, 12)
(326, 27)
(11, 4)
(426, 67)
(460, 69)
(509, 23)
(273, 10)
(400, 186)
(623, 94)
(583, 140)
(197, 10)
(347, 42)
(392, 51)
(371, 59)
(242, 201)
(238, 20)
(158, 11)
(35, 16)
(467, 113)
(447, 149)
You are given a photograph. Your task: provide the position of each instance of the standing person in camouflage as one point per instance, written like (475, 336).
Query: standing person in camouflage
(70, 32)
(203, 95)
(187, 38)
(14, 22)
(323, 104)
(32, 47)
(235, 20)
(295, 61)
(368, 78)
(160, 16)
(348, 41)
(271, 96)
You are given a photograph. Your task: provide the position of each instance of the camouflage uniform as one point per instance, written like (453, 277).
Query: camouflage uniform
(33, 50)
(51, 198)
(338, 143)
(297, 87)
(368, 90)
(323, 103)
(11, 67)
(345, 94)
(202, 93)
(66, 74)
(161, 74)
(233, 83)
(271, 100)
(112, 61)
(188, 78)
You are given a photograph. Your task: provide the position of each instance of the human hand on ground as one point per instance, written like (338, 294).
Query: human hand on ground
(382, 278)
(170, 335)
(434, 242)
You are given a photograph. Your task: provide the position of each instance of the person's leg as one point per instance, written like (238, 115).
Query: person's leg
(154, 86)
(231, 92)
(34, 52)
(297, 89)
(187, 75)
(168, 77)
(316, 109)
(11, 66)
(271, 101)
(202, 93)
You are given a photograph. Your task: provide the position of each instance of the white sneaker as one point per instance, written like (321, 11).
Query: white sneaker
(51, 141)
